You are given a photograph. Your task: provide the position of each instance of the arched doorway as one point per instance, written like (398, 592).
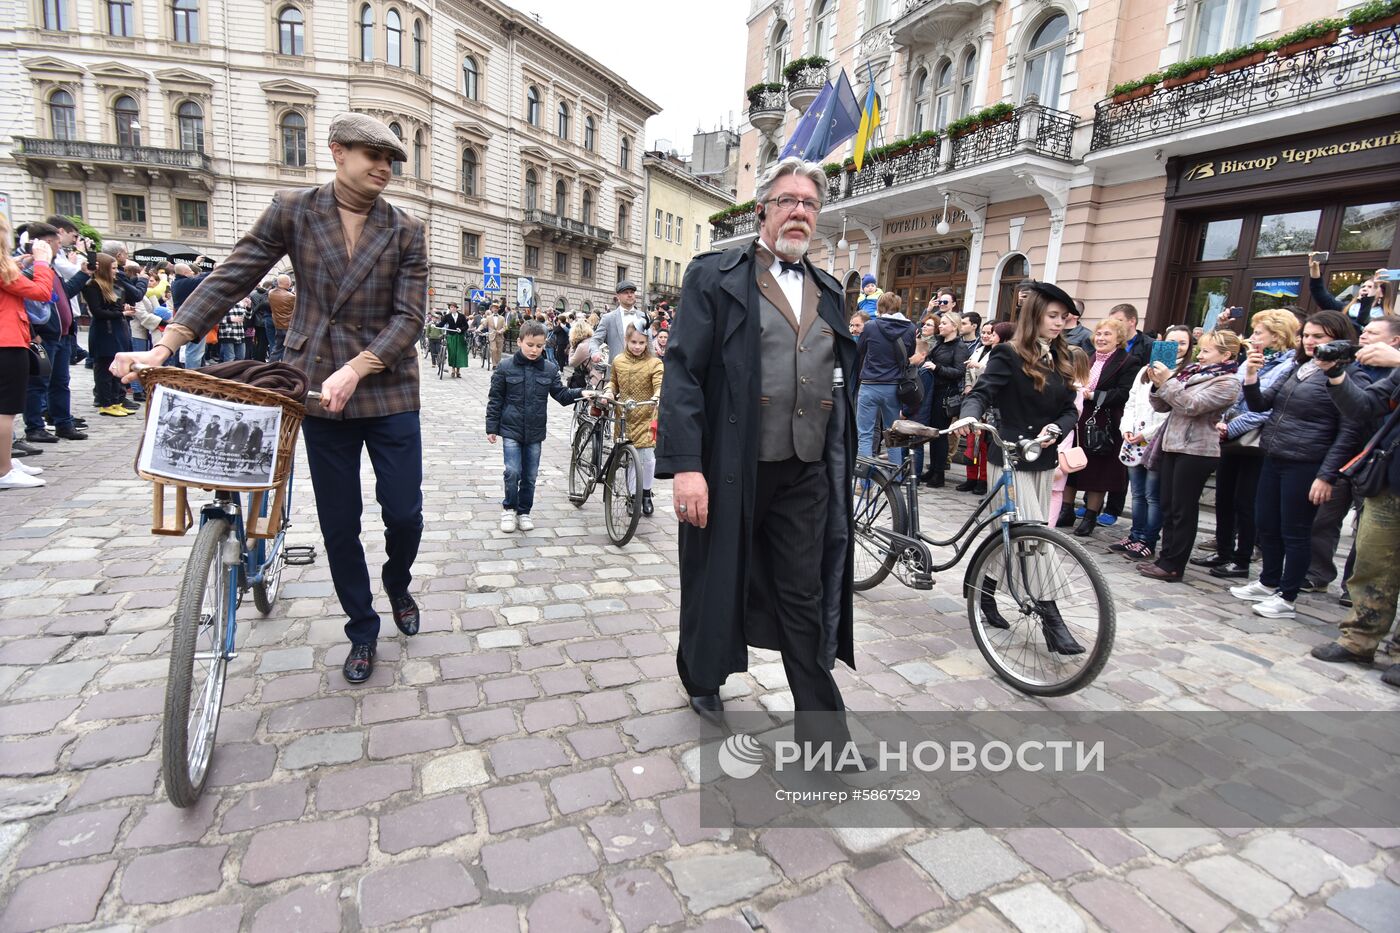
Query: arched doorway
(852, 292)
(919, 276)
(1015, 269)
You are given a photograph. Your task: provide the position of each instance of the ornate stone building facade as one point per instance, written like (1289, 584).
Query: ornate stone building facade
(171, 123)
(679, 206)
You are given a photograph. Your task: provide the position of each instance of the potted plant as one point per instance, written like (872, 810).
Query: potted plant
(1133, 90)
(1379, 14)
(1242, 57)
(1309, 36)
(756, 93)
(1191, 70)
(962, 126)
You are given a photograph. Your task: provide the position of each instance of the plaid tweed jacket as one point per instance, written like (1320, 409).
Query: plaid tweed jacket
(374, 300)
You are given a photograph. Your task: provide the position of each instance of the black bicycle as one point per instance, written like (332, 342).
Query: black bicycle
(594, 459)
(1039, 607)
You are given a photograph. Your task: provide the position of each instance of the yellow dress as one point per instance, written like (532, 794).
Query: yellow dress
(636, 379)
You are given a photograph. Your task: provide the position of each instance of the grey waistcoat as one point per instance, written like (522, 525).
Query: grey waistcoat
(796, 379)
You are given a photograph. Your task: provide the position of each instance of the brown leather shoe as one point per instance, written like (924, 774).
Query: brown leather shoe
(1153, 572)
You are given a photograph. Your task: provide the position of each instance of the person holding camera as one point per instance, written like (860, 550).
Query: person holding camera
(1305, 441)
(1372, 299)
(1374, 584)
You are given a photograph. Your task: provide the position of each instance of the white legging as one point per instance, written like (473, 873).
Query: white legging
(646, 458)
(1039, 575)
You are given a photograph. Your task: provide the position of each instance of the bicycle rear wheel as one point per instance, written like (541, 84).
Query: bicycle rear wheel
(265, 591)
(583, 456)
(198, 664)
(620, 508)
(1041, 585)
(878, 511)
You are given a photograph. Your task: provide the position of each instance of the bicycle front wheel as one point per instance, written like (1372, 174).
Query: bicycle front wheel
(194, 690)
(620, 508)
(1040, 609)
(879, 512)
(582, 456)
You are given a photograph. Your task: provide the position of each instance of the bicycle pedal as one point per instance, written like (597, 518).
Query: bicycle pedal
(299, 555)
(919, 580)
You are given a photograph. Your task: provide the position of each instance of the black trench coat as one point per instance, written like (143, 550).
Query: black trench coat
(709, 422)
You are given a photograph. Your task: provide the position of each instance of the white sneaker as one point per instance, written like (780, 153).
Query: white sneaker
(1275, 607)
(18, 479)
(1255, 592)
(507, 520)
(26, 468)
(525, 523)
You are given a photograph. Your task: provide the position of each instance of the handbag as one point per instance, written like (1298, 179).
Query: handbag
(910, 390)
(39, 311)
(1101, 437)
(1072, 458)
(1369, 471)
(1246, 443)
(39, 363)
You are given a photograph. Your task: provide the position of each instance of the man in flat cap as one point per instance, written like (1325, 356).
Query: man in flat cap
(612, 328)
(361, 268)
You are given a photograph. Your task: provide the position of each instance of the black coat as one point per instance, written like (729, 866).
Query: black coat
(1023, 409)
(1304, 425)
(110, 332)
(950, 357)
(518, 407)
(709, 423)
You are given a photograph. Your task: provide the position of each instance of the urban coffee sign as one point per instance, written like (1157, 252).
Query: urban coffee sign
(1349, 149)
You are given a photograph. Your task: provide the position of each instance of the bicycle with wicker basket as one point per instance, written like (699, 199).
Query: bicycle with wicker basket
(239, 547)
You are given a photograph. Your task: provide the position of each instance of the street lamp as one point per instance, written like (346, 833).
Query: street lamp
(942, 226)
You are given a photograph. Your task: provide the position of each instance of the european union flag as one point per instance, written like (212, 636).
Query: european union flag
(832, 119)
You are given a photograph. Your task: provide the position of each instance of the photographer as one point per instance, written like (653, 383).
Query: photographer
(1305, 443)
(1372, 299)
(1375, 584)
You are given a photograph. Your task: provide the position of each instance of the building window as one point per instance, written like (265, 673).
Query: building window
(417, 153)
(680, 229)
(398, 133)
(666, 280)
(291, 31)
(943, 94)
(532, 257)
(655, 269)
(622, 232)
(419, 46)
(63, 115)
(68, 203)
(128, 117)
(876, 12)
(624, 154)
(121, 18)
(194, 215)
(393, 39)
(918, 89)
(563, 127)
(1045, 61)
(366, 33)
(1013, 272)
(532, 190)
(469, 172)
(586, 269)
(1217, 25)
(561, 263)
(53, 15)
(821, 27)
(697, 238)
(778, 51)
(968, 84)
(191, 120)
(587, 215)
(561, 198)
(471, 245)
(532, 106)
(766, 157)
(186, 21)
(293, 128)
(622, 273)
(470, 78)
(657, 233)
(131, 209)
(590, 134)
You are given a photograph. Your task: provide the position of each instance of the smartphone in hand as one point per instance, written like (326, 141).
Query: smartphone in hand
(1164, 352)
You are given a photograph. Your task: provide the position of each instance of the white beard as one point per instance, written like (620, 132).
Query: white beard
(792, 247)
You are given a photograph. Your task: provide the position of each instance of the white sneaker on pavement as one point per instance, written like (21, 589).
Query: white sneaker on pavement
(507, 520)
(1275, 607)
(525, 523)
(25, 468)
(18, 479)
(1255, 592)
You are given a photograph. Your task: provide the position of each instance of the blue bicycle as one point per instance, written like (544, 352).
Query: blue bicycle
(1039, 606)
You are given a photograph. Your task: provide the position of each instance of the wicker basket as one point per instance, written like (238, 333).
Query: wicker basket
(177, 521)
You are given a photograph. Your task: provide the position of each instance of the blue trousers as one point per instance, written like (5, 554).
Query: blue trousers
(194, 353)
(50, 394)
(229, 352)
(1284, 517)
(395, 444)
(1147, 505)
(522, 467)
(877, 399)
(275, 344)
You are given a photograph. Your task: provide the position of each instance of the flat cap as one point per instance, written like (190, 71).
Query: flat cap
(350, 129)
(624, 286)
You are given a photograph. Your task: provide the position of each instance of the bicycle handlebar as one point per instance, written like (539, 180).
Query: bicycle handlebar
(625, 406)
(1028, 449)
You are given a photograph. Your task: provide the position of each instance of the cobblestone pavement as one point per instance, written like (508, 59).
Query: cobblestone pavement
(517, 764)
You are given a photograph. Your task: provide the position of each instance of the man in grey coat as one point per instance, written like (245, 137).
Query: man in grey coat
(612, 327)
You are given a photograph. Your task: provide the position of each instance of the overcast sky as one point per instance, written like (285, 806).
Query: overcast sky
(688, 57)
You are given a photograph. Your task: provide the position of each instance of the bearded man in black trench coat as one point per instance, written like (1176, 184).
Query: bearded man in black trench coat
(757, 427)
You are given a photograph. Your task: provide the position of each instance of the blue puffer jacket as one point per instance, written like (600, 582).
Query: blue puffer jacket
(1238, 417)
(885, 346)
(520, 390)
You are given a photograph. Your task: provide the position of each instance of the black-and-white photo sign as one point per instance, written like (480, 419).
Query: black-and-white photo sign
(210, 442)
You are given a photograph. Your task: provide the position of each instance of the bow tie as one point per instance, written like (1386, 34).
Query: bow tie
(786, 266)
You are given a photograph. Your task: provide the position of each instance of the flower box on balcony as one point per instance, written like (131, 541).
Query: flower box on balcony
(1374, 16)
(1189, 77)
(1384, 22)
(1247, 61)
(1308, 44)
(1137, 93)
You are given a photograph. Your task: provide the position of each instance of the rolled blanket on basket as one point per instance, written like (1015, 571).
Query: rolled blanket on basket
(274, 377)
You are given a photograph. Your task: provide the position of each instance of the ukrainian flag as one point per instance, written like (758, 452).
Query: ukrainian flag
(869, 122)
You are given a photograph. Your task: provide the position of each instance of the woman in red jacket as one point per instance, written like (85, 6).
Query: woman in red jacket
(15, 287)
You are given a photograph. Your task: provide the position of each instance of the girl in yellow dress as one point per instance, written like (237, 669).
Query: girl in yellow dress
(636, 377)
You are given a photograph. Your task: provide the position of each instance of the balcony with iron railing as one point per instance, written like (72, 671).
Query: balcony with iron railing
(565, 229)
(918, 22)
(1353, 62)
(1029, 129)
(36, 153)
(739, 225)
(767, 107)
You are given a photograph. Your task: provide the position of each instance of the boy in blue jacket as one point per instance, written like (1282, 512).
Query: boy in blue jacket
(517, 413)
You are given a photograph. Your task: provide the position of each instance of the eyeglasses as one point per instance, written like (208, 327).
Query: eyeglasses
(945, 301)
(787, 203)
